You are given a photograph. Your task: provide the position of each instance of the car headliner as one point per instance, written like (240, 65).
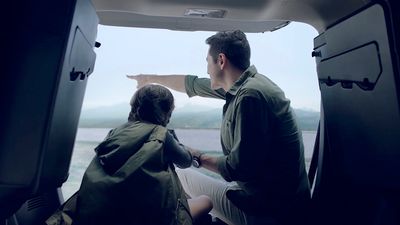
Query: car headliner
(247, 15)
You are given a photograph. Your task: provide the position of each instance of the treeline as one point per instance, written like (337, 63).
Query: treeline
(108, 117)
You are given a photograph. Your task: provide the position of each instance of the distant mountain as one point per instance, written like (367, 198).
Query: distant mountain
(307, 119)
(105, 116)
(210, 118)
(190, 117)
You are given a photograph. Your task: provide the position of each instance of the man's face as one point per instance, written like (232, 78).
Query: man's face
(214, 71)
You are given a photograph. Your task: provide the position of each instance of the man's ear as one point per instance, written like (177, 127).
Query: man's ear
(222, 60)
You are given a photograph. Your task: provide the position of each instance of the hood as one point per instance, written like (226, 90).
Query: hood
(121, 143)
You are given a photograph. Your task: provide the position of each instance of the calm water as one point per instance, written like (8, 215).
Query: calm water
(204, 139)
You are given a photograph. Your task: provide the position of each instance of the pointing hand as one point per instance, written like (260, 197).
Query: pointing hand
(141, 79)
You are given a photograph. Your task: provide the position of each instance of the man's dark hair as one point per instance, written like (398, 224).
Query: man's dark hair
(234, 45)
(153, 104)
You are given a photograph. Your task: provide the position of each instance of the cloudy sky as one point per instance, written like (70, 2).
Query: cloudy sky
(283, 55)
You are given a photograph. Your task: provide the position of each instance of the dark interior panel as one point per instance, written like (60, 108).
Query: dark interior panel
(350, 67)
(50, 40)
(360, 177)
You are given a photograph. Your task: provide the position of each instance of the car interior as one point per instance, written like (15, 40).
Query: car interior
(50, 56)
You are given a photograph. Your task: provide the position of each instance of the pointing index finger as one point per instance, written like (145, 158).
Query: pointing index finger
(132, 76)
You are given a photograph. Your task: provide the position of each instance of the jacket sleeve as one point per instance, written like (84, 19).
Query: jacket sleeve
(202, 87)
(176, 153)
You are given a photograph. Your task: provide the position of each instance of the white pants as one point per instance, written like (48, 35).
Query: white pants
(196, 183)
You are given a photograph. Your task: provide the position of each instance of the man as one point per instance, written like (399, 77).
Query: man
(263, 151)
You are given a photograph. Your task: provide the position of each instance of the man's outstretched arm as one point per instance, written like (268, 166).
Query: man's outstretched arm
(176, 82)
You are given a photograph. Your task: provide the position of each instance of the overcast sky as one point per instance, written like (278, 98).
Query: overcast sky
(283, 55)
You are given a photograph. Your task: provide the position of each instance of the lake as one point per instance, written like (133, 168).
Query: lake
(204, 139)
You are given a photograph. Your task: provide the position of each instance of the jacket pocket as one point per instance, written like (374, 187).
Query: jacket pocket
(227, 134)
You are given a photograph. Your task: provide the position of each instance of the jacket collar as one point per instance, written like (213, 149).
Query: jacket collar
(249, 72)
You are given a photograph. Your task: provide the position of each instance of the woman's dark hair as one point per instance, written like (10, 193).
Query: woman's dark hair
(234, 45)
(153, 104)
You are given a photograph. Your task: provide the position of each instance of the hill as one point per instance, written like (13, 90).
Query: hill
(189, 117)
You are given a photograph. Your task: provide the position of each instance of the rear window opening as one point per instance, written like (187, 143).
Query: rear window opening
(283, 55)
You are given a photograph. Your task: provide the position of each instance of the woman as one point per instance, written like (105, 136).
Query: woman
(132, 179)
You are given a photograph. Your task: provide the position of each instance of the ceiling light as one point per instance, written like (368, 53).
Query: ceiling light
(211, 13)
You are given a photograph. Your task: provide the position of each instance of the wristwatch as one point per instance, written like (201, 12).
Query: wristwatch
(196, 160)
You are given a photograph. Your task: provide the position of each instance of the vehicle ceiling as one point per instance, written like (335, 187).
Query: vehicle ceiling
(247, 15)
